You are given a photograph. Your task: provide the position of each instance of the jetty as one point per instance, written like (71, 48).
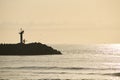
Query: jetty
(27, 49)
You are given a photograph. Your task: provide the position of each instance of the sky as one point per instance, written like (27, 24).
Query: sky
(60, 21)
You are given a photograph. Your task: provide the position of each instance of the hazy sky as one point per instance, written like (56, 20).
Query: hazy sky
(60, 21)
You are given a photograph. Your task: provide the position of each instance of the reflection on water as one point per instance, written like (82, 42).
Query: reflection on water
(82, 62)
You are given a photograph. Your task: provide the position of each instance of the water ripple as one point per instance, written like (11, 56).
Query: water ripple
(63, 68)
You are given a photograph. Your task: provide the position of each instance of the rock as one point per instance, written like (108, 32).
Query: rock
(27, 49)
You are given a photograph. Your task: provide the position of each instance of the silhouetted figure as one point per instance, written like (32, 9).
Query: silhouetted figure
(21, 36)
(24, 41)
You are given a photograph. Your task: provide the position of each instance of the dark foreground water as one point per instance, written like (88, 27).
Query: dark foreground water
(81, 62)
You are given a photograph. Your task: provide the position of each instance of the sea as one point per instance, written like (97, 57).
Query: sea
(77, 62)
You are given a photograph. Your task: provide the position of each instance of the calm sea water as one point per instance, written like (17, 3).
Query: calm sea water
(81, 62)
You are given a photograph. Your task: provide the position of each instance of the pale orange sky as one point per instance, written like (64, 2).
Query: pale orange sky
(60, 21)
